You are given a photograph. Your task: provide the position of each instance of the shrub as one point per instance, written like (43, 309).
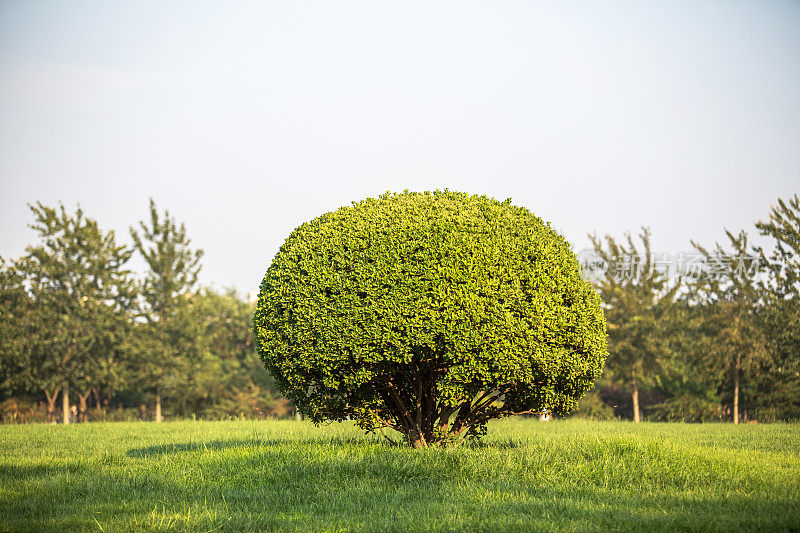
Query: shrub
(20, 411)
(687, 408)
(429, 313)
(592, 407)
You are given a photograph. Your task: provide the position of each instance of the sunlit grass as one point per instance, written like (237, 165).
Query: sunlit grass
(279, 475)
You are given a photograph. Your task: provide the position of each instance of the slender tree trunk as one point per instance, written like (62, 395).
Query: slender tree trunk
(51, 404)
(83, 409)
(736, 389)
(635, 397)
(65, 405)
(97, 407)
(158, 405)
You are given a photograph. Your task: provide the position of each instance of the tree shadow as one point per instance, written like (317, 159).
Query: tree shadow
(595, 509)
(160, 450)
(353, 483)
(34, 471)
(275, 491)
(493, 445)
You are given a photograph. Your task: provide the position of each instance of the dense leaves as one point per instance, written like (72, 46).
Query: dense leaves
(637, 298)
(720, 344)
(430, 313)
(78, 303)
(413, 289)
(75, 324)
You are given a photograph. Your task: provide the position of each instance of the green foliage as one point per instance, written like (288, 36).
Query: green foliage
(16, 325)
(638, 299)
(72, 318)
(591, 406)
(168, 336)
(777, 379)
(429, 313)
(173, 266)
(773, 387)
(228, 380)
(79, 295)
(729, 299)
(687, 407)
(783, 263)
(445, 297)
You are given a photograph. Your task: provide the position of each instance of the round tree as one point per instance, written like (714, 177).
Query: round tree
(431, 314)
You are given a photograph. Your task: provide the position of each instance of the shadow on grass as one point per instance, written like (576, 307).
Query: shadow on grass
(273, 490)
(253, 443)
(494, 445)
(27, 472)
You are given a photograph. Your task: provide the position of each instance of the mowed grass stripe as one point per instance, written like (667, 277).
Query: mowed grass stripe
(286, 475)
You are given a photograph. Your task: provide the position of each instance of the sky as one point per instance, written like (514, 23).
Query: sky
(245, 119)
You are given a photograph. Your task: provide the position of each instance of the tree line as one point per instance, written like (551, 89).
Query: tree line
(716, 337)
(82, 337)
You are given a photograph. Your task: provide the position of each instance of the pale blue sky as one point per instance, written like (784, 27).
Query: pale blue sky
(247, 118)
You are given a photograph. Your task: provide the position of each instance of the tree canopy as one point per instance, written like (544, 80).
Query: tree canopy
(79, 299)
(637, 296)
(167, 336)
(75, 322)
(419, 312)
(429, 313)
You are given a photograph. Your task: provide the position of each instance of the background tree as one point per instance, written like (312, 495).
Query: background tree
(215, 372)
(81, 297)
(24, 358)
(778, 378)
(16, 321)
(45, 311)
(636, 298)
(783, 264)
(168, 339)
(729, 294)
(429, 314)
(229, 379)
(689, 381)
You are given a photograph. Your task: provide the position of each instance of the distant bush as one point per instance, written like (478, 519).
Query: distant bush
(251, 403)
(20, 411)
(592, 407)
(115, 414)
(686, 408)
(781, 413)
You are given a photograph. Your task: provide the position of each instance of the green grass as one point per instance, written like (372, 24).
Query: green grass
(285, 475)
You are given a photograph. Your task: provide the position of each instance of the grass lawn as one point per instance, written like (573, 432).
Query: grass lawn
(286, 475)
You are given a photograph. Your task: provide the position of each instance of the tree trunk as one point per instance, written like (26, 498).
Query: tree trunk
(417, 440)
(635, 397)
(158, 405)
(97, 407)
(51, 404)
(736, 389)
(83, 409)
(65, 405)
